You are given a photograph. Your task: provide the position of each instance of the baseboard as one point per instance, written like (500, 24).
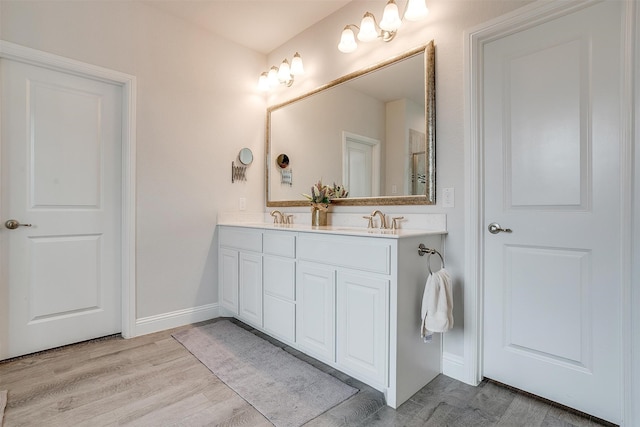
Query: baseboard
(453, 366)
(161, 322)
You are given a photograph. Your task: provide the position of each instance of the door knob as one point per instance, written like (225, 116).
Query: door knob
(12, 224)
(494, 228)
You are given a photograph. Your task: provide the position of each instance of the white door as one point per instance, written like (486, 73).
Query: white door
(61, 147)
(552, 97)
(360, 165)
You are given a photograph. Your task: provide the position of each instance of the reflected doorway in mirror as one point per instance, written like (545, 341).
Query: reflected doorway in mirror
(361, 165)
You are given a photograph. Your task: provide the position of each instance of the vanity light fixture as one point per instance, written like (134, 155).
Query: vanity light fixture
(283, 75)
(386, 30)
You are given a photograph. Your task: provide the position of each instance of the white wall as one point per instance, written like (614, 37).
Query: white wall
(196, 108)
(445, 25)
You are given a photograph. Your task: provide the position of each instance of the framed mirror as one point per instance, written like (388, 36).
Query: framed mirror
(372, 131)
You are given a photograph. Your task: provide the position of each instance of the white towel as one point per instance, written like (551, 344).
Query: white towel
(437, 305)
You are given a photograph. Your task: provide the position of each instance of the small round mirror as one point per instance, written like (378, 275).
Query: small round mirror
(282, 161)
(245, 156)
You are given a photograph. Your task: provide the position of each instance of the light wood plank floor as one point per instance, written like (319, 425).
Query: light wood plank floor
(153, 381)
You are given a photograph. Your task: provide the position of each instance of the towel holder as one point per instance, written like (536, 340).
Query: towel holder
(422, 250)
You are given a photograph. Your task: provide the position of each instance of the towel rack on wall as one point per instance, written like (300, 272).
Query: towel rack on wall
(422, 250)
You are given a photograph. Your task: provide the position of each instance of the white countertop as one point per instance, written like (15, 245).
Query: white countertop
(336, 229)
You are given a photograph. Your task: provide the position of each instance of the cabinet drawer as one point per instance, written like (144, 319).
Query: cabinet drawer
(241, 238)
(280, 243)
(365, 254)
(279, 277)
(280, 318)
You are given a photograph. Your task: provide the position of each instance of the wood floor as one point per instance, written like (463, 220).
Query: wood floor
(153, 381)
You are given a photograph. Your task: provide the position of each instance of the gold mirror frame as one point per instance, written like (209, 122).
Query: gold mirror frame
(430, 123)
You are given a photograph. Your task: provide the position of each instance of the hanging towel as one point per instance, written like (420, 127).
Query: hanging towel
(437, 305)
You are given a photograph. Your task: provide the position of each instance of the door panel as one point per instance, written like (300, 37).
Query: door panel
(316, 296)
(228, 279)
(551, 159)
(251, 288)
(556, 296)
(362, 334)
(547, 157)
(61, 151)
(66, 165)
(65, 276)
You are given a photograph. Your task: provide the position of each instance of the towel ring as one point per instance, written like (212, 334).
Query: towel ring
(422, 249)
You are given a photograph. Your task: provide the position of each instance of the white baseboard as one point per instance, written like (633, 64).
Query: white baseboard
(453, 366)
(161, 322)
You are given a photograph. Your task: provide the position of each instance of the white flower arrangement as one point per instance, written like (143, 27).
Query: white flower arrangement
(322, 195)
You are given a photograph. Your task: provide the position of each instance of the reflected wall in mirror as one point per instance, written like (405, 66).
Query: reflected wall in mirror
(372, 131)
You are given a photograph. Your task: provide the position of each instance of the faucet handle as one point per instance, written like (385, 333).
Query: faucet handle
(370, 223)
(288, 219)
(395, 221)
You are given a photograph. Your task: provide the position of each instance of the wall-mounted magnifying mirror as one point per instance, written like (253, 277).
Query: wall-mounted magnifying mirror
(282, 161)
(245, 156)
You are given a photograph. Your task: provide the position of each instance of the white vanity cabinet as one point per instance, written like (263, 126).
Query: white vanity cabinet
(350, 299)
(240, 273)
(352, 310)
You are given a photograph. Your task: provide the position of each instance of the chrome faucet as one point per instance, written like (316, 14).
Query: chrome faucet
(277, 217)
(383, 222)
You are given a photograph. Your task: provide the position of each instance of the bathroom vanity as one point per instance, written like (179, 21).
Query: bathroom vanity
(349, 297)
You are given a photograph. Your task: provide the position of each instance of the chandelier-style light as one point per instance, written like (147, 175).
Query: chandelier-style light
(386, 30)
(283, 75)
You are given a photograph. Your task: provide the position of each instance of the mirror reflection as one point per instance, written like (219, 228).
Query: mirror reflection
(372, 132)
(282, 161)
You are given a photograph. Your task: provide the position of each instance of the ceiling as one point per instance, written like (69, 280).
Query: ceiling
(261, 25)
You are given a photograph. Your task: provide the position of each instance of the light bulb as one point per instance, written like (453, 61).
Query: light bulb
(347, 41)
(416, 10)
(272, 77)
(297, 69)
(390, 17)
(263, 82)
(284, 72)
(368, 30)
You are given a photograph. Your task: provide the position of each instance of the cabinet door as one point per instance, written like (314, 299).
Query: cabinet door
(228, 280)
(279, 278)
(362, 332)
(251, 288)
(315, 317)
